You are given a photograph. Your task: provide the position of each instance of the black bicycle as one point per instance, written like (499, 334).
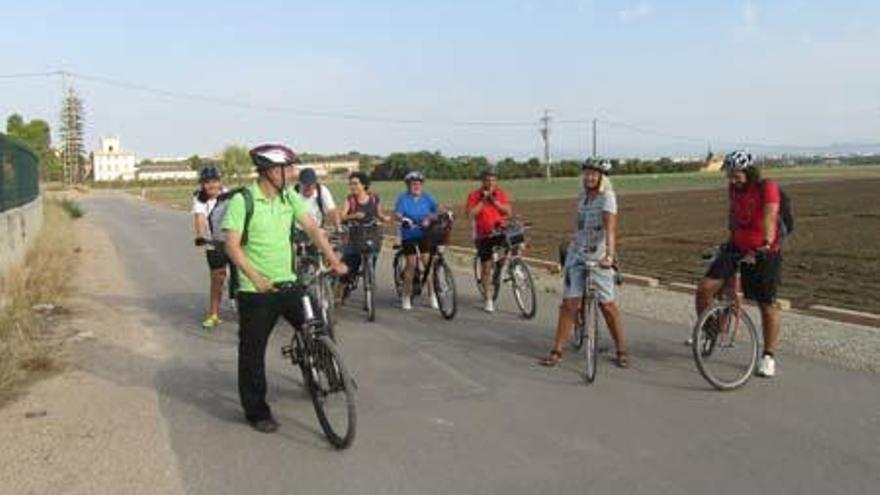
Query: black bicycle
(365, 239)
(510, 268)
(315, 276)
(325, 377)
(436, 270)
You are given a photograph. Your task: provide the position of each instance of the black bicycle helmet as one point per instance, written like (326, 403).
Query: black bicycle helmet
(208, 174)
(490, 171)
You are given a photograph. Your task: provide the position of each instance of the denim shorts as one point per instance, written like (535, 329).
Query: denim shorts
(575, 277)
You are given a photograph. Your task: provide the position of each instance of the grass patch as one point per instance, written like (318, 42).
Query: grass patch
(26, 339)
(454, 192)
(72, 208)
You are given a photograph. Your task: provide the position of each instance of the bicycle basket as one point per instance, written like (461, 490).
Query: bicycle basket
(515, 233)
(439, 231)
(363, 237)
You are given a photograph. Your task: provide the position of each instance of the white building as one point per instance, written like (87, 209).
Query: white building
(111, 163)
(167, 171)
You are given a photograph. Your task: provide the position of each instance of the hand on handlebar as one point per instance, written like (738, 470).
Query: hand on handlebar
(339, 268)
(407, 223)
(607, 262)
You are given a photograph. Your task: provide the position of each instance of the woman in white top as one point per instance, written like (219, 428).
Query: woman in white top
(204, 201)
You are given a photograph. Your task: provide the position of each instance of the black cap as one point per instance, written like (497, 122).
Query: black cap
(307, 176)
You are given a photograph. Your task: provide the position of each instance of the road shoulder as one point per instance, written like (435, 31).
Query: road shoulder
(85, 430)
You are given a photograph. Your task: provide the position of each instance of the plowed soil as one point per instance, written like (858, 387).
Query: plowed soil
(832, 258)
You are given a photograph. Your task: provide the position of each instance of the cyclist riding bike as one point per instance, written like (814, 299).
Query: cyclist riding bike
(258, 242)
(753, 224)
(415, 209)
(489, 206)
(361, 207)
(595, 240)
(204, 201)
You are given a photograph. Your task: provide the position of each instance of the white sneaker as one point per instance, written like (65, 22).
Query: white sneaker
(489, 307)
(435, 304)
(406, 303)
(767, 366)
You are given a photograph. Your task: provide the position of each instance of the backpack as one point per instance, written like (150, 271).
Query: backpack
(215, 217)
(786, 216)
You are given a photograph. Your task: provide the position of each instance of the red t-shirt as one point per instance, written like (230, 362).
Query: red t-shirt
(490, 216)
(747, 215)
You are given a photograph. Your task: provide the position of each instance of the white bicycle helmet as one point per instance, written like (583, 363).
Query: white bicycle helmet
(414, 176)
(738, 160)
(600, 164)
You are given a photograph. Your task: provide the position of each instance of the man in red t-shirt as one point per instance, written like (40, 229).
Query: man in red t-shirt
(489, 206)
(754, 220)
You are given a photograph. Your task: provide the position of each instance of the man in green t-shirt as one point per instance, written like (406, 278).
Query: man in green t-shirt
(265, 260)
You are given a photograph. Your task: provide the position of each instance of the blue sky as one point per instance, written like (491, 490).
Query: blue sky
(792, 72)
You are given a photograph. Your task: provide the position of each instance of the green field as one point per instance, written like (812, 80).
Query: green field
(451, 192)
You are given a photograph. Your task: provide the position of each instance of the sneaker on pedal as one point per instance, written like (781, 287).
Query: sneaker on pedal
(767, 366)
(489, 307)
(406, 303)
(433, 302)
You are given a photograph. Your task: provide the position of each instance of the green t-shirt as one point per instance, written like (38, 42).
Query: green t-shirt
(268, 246)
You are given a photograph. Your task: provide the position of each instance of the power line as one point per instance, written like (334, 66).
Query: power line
(289, 110)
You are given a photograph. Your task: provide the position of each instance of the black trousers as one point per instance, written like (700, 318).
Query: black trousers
(257, 316)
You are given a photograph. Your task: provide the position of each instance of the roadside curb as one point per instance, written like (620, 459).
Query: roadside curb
(847, 315)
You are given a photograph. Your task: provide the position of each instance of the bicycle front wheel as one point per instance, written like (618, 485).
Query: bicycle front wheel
(591, 339)
(725, 346)
(327, 304)
(523, 288)
(444, 288)
(331, 389)
(369, 288)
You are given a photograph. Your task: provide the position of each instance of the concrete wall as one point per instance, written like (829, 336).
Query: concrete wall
(18, 229)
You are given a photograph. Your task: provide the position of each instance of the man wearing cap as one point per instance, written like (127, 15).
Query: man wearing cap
(489, 206)
(317, 196)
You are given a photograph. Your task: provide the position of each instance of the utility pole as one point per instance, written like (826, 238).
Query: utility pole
(72, 135)
(595, 146)
(545, 135)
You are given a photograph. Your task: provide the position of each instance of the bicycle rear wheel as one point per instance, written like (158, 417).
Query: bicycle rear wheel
(331, 389)
(591, 339)
(399, 266)
(444, 288)
(725, 346)
(478, 275)
(369, 288)
(523, 288)
(577, 336)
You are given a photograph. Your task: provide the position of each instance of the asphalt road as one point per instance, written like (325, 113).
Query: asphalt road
(461, 407)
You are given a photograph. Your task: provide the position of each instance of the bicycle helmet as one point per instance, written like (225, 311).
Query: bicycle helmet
(738, 160)
(273, 155)
(414, 176)
(490, 171)
(600, 164)
(208, 174)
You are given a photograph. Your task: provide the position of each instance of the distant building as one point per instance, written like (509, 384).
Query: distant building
(323, 169)
(176, 170)
(111, 163)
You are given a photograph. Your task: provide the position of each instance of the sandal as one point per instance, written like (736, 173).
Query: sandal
(553, 360)
(622, 359)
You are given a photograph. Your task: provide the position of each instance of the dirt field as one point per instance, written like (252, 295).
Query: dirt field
(833, 257)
